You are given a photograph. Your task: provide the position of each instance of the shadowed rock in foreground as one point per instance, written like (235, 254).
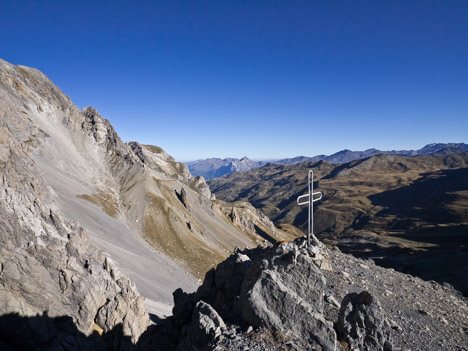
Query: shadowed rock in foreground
(284, 297)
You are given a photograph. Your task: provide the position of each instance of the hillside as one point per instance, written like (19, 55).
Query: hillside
(405, 212)
(345, 156)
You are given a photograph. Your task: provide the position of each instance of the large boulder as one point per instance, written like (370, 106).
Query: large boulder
(362, 323)
(285, 292)
(279, 289)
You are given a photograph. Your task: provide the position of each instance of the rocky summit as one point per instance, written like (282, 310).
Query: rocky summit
(292, 297)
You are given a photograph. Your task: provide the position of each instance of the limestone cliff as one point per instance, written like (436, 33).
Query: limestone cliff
(47, 264)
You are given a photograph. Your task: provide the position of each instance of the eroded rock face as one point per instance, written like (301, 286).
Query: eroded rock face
(160, 161)
(205, 329)
(48, 267)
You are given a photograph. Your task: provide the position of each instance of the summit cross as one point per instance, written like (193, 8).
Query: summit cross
(309, 199)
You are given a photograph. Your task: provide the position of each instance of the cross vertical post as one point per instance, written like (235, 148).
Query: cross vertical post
(309, 199)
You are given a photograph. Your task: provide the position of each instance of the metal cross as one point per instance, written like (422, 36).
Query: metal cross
(309, 199)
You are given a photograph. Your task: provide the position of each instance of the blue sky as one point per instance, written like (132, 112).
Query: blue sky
(263, 79)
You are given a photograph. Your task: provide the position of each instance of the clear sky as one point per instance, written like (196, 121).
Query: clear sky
(263, 79)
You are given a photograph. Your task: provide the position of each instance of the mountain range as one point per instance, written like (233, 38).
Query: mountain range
(215, 168)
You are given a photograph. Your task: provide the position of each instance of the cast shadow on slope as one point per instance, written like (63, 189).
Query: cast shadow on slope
(434, 207)
(433, 198)
(42, 332)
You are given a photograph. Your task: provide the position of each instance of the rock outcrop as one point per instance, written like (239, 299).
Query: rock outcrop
(279, 289)
(157, 159)
(284, 297)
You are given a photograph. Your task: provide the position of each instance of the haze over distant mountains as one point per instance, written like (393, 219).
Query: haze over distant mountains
(215, 167)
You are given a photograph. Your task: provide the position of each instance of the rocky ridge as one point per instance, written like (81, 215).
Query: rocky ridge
(346, 155)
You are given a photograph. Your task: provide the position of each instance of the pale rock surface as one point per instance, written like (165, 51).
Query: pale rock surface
(48, 265)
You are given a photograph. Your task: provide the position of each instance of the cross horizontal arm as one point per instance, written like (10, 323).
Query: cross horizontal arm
(306, 196)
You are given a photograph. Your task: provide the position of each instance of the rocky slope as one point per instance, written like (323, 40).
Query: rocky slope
(48, 265)
(290, 297)
(139, 206)
(409, 213)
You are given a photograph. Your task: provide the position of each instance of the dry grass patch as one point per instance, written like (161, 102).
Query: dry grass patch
(105, 201)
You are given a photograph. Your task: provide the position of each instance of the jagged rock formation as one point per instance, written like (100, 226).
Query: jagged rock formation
(157, 159)
(410, 213)
(253, 222)
(362, 323)
(278, 298)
